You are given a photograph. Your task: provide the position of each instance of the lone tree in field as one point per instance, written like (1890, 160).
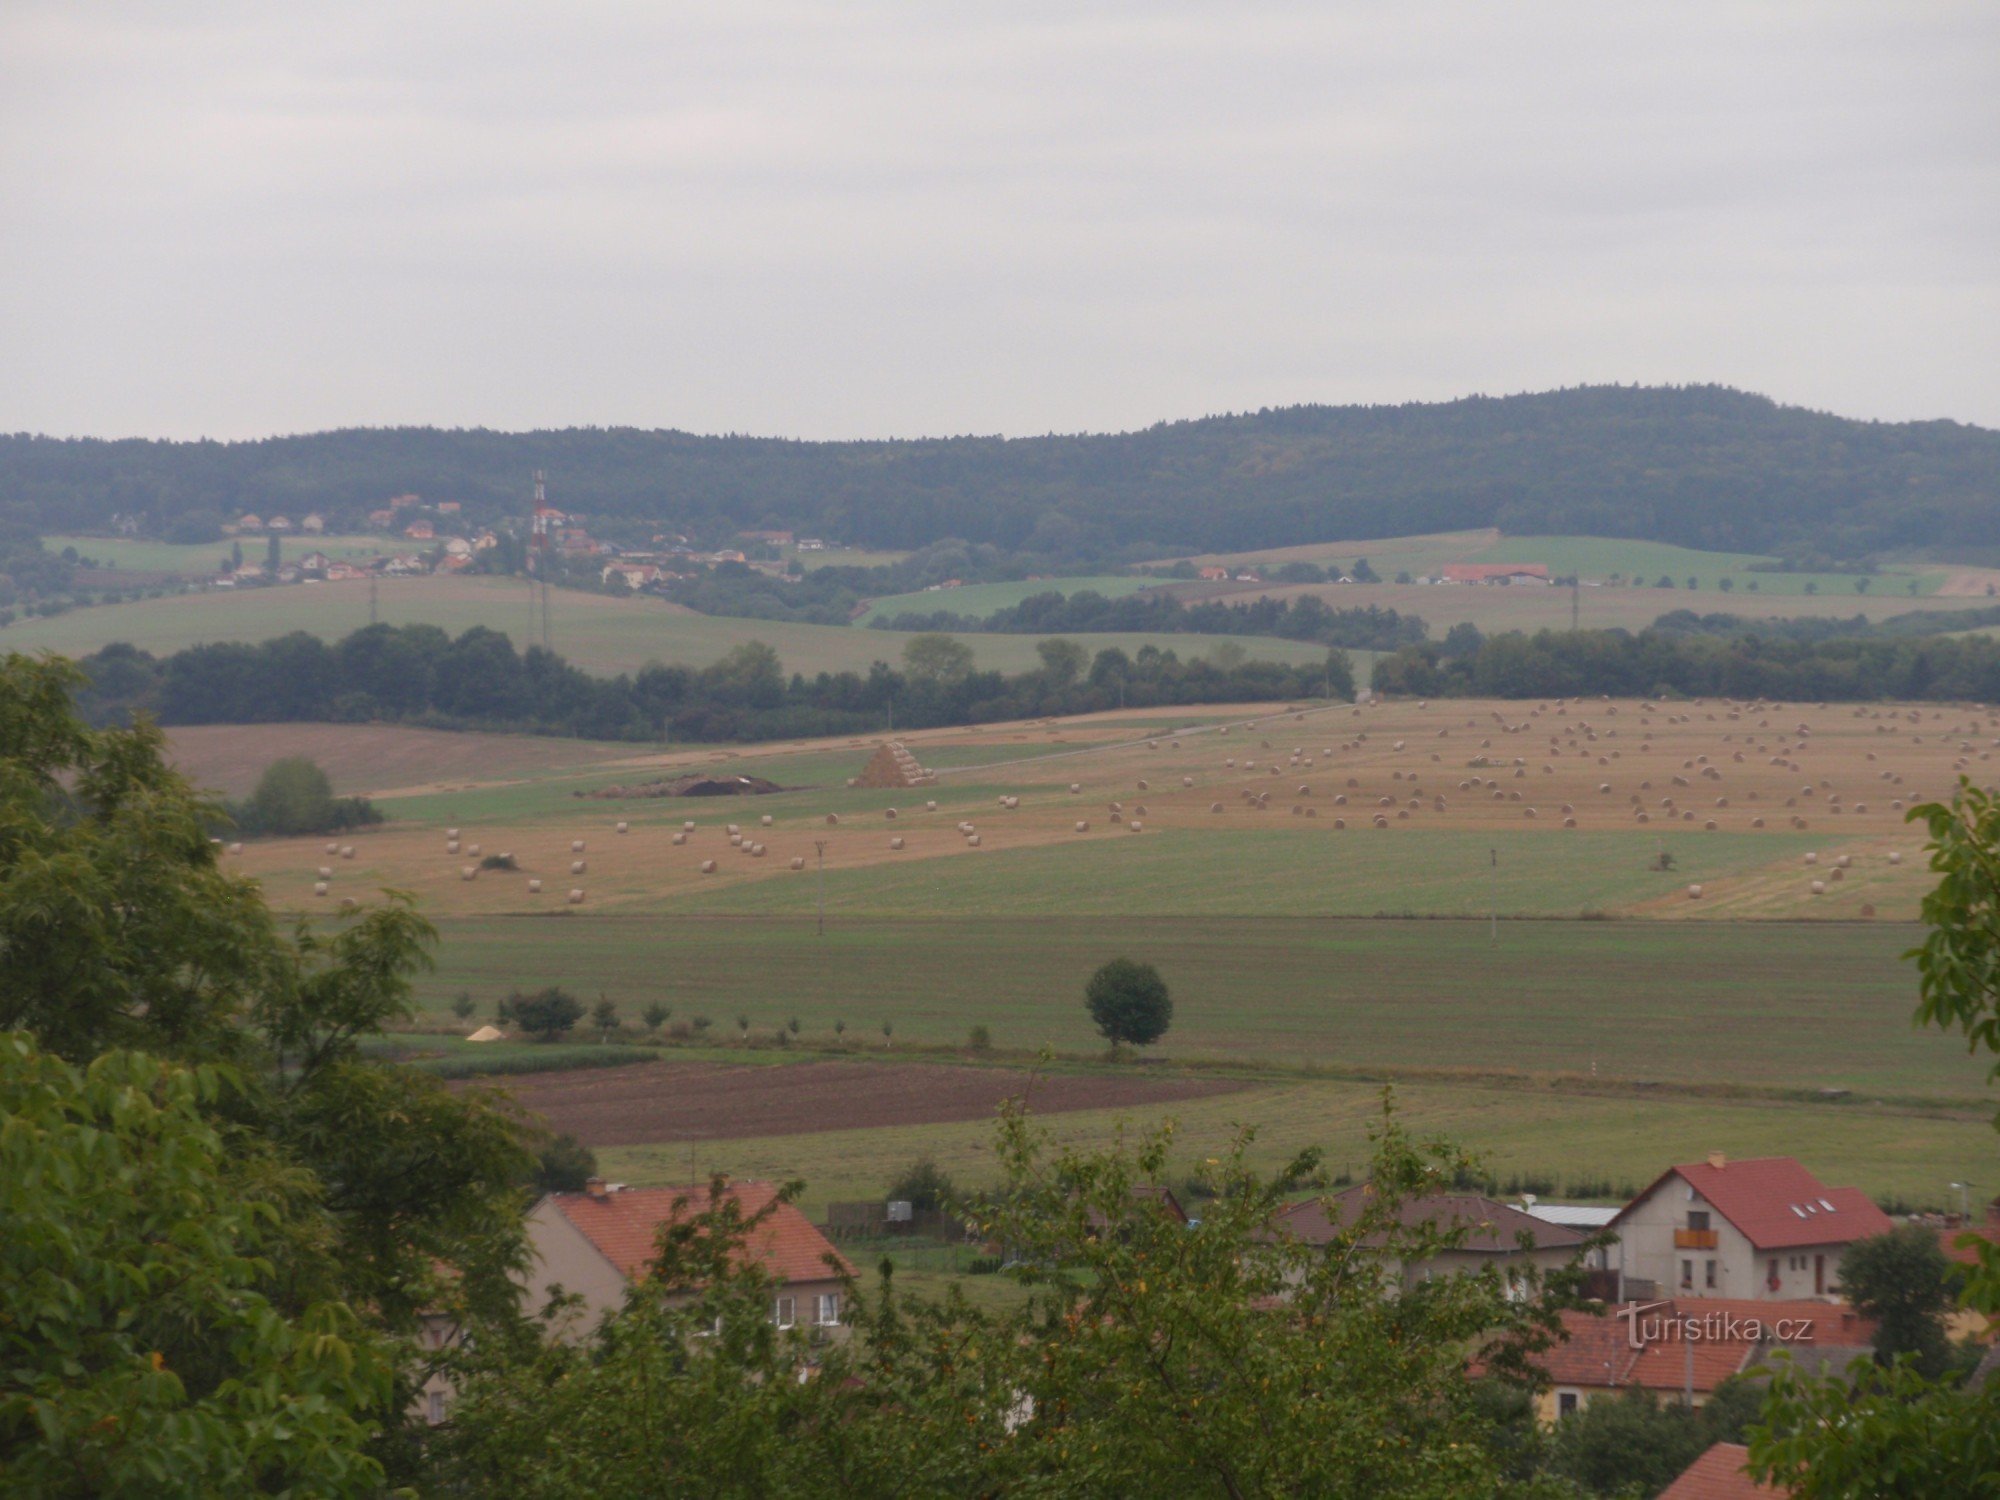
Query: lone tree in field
(546, 1014)
(1129, 1002)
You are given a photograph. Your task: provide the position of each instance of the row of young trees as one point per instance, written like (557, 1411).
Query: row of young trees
(1653, 662)
(420, 674)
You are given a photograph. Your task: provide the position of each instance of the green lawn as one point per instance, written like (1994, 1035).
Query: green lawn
(595, 631)
(201, 558)
(982, 599)
(1773, 1006)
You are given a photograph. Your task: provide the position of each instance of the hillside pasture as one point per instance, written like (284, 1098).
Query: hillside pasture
(202, 559)
(599, 632)
(979, 600)
(373, 759)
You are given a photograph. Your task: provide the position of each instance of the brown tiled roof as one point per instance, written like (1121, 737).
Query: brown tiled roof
(1718, 1475)
(1777, 1203)
(1987, 1229)
(624, 1225)
(1491, 1227)
(1597, 1350)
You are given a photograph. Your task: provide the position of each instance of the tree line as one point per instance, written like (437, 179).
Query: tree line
(1702, 466)
(420, 674)
(1366, 628)
(1660, 662)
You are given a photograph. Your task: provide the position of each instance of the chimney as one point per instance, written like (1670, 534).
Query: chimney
(596, 1187)
(1717, 1160)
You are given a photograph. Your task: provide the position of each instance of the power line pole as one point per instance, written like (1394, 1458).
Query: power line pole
(820, 845)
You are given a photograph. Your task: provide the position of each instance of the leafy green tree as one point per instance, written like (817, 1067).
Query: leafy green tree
(656, 1014)
(1063, 660)
(1904, 1281)
(604, 1015)
(293, 796)
(1364, 573)
(273, 553)
(1128, 1002)
(936, 659)
(546, 1014)
(463, 1006)
(145, 1348)
(564, 1165)
(923, 1184)
(1635, 1444)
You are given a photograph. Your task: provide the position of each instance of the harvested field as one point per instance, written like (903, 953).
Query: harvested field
(652, 1102)
(369, 759)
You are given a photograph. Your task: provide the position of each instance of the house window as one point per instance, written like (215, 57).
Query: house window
(1565, 1403)
(827, 1313)
(1687, 1273)
(1697, 1218)
(1708, 1272)
(436, 1412)
(784, 1312)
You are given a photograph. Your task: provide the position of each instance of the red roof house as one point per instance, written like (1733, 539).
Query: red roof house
(1495, 572)
(1761, 1228)
(595, 1243)
(1491, 1233)
(1719, 1474)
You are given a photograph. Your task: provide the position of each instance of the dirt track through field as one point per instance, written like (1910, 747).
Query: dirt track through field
(653, 1102)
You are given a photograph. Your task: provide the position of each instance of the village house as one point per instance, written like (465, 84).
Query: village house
(381, 519)
(485, 542)
(1761, 1228)
(448, 507)
(405, 565)
(313, 524)
(342, 572)
(595, 1243)
(404, 502)
(1494, 573)
(1721, 1473)
(1215, 575)
(632, 575)
(1493, 1233)
(420, 531)
(457, 546)
(773, 538)
(249, 522)
(278, 523)
(1685, 1347)
(315, 562)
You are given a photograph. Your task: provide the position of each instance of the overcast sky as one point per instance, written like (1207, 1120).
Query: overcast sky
(862, 219)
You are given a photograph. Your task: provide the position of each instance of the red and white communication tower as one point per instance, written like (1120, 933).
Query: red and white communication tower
(542, 530)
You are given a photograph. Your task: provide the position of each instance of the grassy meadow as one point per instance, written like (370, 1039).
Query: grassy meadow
(199, 559)
(982, 599)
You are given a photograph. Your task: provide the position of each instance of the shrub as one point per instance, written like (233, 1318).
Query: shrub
(980, 1039)
(655, 1015)
(923, 1184)
(463, 1007)
(564, 1165)
(546, 1014)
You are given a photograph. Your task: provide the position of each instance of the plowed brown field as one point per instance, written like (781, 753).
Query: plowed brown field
(653, 1102)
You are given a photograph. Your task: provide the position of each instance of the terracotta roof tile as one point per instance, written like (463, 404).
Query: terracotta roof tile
(1777, 1203)
(624, 1226)
(1721, 1332)
(1718, 1475)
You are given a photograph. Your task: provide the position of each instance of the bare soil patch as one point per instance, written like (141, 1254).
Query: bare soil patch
(652, 1102)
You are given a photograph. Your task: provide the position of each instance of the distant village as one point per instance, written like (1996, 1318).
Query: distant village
(443, 540)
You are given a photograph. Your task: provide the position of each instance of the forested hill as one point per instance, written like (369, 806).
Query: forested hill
(1702, 466)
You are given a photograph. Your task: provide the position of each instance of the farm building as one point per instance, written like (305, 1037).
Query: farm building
(1494, 573)
(595, 1242)
(1762, 1228)
(1492, 1231)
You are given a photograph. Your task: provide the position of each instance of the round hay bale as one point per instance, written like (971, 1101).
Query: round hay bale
(319, 888)
(1709, 826)
(832, 820)
(688, 826)
(1569, 822)
(1839, 875)
(1819, 887)
(1843, 861)
(890, 812)
(1140, 810)
(451, 833)
(765, 821)
(623, 827)
(680, 838)
(1144, 786)
(734, 828)
(1868, 910)
(1895, 856)
(576, 866)
(1340, 822)
(348, 903)
(736, 841)
(708, 867)
(333, 848)
(325, 872)
(756, 851)
(1304, 790)
(972, 840)
(347, 851)
(1136, 826)
(575, 897)
(930, 807)
(1812, 859)
(1756, 822)
(468, 872)
(1083, 825)
(798, 862)
(451, 846)
(472, 849)
(1075, 787)
(1215, 807)
(895, 843)
(1694, 893)
(534, 888)
(1187, 781)
(235, 848)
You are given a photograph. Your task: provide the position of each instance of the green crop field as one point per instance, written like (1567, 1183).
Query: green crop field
(1581, 1140)
(1776, 1006)
(201, 558)
(596, 631)
(982, 599)
(1603, 557)
(1279, 871)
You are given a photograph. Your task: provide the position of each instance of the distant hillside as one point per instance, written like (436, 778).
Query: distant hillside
(1700, 466)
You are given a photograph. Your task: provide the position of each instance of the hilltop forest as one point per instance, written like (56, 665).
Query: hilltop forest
(1701, 466)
